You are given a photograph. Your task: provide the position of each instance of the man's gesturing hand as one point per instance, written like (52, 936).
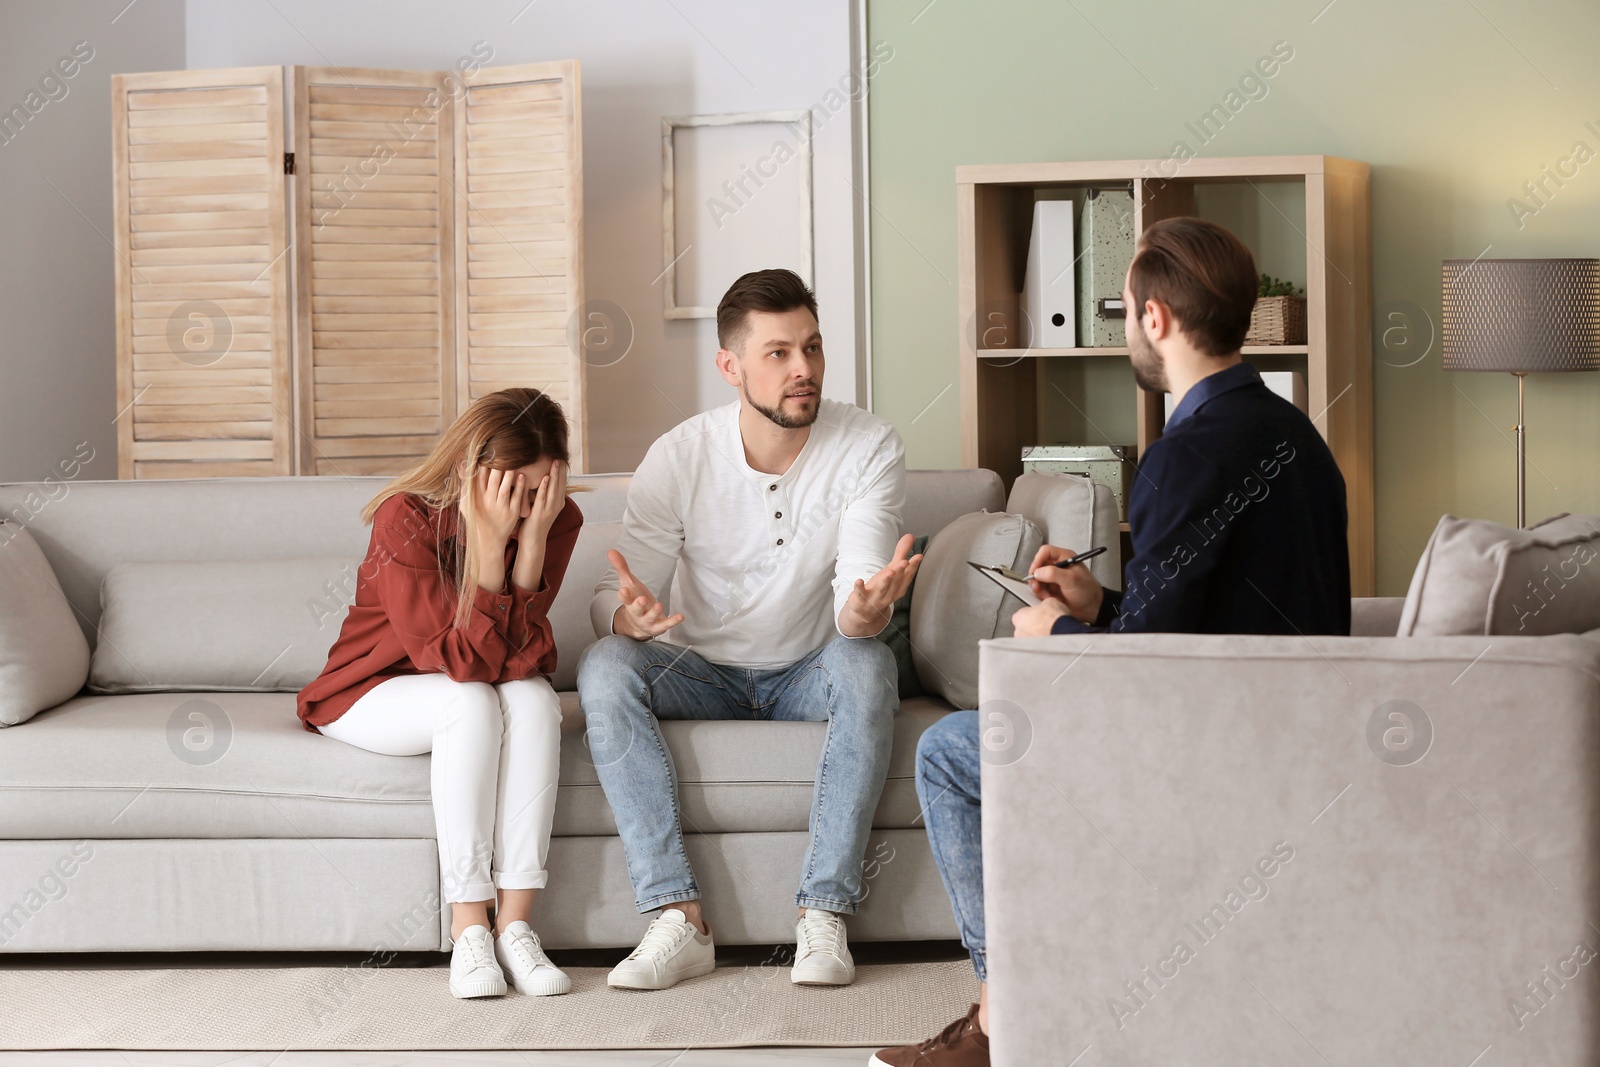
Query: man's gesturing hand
(871, 602)
(640, 615)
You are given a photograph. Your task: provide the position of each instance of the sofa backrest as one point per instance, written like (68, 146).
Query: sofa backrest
(86, 527)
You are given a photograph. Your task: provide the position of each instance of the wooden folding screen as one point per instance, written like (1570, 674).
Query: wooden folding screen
(429, 241)
(374, 222)
(519, 235)
(202, 279)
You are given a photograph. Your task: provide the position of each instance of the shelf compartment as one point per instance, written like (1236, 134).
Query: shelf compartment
(1067, 353)
(1046, 353)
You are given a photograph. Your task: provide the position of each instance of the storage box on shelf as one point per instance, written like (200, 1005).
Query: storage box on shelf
(1013, 397)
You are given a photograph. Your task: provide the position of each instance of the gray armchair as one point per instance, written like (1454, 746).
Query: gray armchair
(1238, 850)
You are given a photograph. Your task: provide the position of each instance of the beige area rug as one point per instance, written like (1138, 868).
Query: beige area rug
(247, 1009)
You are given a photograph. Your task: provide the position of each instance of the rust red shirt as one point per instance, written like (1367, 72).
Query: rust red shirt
(402, 619)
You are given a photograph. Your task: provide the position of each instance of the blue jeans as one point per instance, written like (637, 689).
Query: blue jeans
(948, 788)
(627, 685)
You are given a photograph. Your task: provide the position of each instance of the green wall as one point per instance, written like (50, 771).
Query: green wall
(1454, 106)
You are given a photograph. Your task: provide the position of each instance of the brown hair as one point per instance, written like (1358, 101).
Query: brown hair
(761, 290)
(506, 429)
(1203, 274)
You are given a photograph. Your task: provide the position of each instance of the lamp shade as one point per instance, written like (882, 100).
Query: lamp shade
(1521, 315)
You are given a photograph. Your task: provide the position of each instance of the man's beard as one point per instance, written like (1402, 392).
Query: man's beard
(779, 417)
(1149, 370)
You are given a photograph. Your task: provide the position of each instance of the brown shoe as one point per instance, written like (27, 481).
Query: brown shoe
(961, 1044)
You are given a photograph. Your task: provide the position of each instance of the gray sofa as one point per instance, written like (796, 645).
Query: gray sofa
(111, 840)
(1385, 908)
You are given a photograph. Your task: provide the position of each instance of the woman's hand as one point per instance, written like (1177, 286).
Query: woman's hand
(549, 497)
(542, 506)
(501, 498)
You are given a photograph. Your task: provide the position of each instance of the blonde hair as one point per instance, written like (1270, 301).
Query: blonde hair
(505, 430)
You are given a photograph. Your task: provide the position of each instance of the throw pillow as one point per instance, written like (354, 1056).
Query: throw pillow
(953, 607)
(569, 614)
(44, 657)
(897, 635)
(1479, 577)
(1074, 513)
(240, 625)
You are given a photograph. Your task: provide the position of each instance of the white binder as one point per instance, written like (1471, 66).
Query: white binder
(1048, 291)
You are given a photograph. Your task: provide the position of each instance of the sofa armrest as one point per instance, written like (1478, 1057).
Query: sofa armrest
(1196, 845)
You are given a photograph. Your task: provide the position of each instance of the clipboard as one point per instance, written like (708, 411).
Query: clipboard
(1001, 577)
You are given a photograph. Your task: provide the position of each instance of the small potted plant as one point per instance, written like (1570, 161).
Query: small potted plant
(1279, 317)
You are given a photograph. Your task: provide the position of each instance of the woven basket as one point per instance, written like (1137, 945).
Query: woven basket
(1278, 320)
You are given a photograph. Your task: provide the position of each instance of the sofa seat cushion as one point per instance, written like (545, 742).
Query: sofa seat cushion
(239, 765)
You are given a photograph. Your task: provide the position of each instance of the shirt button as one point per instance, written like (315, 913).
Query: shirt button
(774, 485)
(777, 514)
(780, 540)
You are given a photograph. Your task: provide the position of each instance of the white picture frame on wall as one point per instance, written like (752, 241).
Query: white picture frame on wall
(736, 195)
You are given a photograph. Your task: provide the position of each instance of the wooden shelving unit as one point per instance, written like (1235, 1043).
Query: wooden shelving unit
(1007, 394)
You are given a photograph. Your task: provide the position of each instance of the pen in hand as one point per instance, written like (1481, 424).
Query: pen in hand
(1093, 552)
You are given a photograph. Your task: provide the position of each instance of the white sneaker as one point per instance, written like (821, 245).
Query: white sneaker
(526, 966)
(672, 950)
(473, 971)
(821, 956)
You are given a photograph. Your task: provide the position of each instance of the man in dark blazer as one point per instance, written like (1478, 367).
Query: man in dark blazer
(1238, 509)
(1238, 519)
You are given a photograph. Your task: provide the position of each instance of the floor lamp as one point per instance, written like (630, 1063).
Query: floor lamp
(1521, 316)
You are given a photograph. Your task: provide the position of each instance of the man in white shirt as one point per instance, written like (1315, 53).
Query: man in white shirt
(777, 519)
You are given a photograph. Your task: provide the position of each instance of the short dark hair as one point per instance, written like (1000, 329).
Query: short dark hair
(1204, 274)
(761, 290)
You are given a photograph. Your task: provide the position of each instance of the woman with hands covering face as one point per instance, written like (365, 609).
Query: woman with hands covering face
(448, 649)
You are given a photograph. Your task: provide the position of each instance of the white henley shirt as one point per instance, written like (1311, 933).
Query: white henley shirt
(760, 564)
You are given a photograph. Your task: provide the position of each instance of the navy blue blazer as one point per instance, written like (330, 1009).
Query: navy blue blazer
(1238, 517)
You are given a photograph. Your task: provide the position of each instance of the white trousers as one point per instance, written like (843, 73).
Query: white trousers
(496, 755)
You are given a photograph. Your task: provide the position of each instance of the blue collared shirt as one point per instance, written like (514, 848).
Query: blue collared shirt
(1234, 377)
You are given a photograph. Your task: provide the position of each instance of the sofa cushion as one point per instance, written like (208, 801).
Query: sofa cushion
(953, 607)
(1376, 616)
(569, 614)
(934, 499)
(204, 626)
(101, 523)
(212, 626)
(237, 625)
(239, 765)
(44, 657)
(1073, 512)
(1479, 577)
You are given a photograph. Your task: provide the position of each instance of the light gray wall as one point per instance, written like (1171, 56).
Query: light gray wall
(640, 59)
(57, 317)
